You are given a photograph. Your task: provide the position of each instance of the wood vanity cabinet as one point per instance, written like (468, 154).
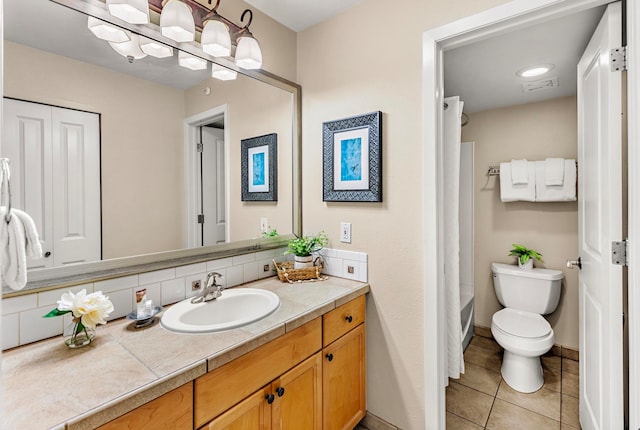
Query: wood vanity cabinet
(292, 402)
(344, 366)
(273, 363)
(173, 410)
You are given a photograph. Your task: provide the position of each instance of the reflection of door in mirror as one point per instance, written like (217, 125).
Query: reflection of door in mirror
(55, 162)
(212, 184)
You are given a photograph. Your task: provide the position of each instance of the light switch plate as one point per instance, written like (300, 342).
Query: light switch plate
(345, 232)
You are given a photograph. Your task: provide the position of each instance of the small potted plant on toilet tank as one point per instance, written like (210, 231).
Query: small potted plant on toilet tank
(525, 256)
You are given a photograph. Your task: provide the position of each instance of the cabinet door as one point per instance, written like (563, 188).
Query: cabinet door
(298, 402)
(173, 410)
(253, 413)
(344, 381)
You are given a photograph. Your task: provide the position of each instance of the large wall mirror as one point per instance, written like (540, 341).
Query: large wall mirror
(152, 114)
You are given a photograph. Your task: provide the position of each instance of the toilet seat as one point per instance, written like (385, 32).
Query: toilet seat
(526, 325)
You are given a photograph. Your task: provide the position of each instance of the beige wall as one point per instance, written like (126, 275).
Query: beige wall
(141, 143)
(253, 109)
(533, 131)
(370, 58)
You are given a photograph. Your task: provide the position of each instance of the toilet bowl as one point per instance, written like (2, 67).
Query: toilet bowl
(525, 336)
(519, 328)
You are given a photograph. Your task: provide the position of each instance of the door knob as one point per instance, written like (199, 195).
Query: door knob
(47, 254)
(572, 264)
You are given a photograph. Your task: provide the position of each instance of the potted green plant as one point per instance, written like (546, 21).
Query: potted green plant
(525, 256)
(303, 247)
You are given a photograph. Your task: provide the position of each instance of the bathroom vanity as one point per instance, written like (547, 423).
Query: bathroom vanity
(301, 367)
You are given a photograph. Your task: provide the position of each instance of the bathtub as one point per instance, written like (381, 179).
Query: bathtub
(466, 314)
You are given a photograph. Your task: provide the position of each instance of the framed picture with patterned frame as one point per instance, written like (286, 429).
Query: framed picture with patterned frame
(352, 159)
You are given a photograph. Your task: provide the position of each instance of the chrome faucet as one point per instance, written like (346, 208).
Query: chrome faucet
(212, 289)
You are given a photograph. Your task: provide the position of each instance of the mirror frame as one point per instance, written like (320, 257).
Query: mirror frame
(47, 279)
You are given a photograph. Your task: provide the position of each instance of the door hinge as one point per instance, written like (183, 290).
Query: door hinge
(199, 147)
(619, 255)
(618, 57)
(200, 218)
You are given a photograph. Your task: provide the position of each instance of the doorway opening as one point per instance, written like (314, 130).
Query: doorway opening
(496, 21)
(206, 196)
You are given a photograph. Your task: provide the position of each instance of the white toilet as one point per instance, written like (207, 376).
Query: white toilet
(519, 328)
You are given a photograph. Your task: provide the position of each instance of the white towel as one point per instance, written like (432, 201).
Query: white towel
(554, 171)
(18, 240)
(556, 193)
(512, 193)
(519, 172)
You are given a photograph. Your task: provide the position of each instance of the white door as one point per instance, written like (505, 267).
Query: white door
(26, 142)
(55, 178)
(76, 187)
(600, 223)
(213, 197)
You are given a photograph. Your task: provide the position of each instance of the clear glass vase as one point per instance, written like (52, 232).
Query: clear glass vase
(77, 335)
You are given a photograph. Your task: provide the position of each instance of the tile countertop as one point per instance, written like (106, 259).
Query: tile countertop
(47, 385)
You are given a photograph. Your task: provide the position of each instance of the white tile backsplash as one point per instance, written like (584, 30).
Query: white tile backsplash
(122, 303)
(222, 263)
(191, 269)
(17, 304)
(188, 288)
(116, 284)
(22, 320)
(10, 331)
(33, 327)
(173, 291)
(241, 259)
(157, 276)
(235, 276)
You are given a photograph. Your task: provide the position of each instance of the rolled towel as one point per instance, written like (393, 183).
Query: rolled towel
(554, 171)
(18, 240)
(519, 172)
(33, 248)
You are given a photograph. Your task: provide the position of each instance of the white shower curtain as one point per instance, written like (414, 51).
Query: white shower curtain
(451, 187)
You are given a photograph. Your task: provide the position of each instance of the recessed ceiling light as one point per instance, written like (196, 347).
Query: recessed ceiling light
(532, 71)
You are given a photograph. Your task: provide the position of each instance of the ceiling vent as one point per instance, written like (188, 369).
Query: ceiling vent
(539, 85)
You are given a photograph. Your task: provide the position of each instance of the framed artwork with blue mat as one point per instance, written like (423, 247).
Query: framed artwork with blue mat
(259, 168)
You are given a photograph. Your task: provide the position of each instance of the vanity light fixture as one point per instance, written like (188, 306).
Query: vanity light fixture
(129, 49)
(105, 31)
(190, 61)
(222, 73)
(132, 11)
(176, 21)
(248, 52)
(533, 71)
(215, 38)
(155, 49)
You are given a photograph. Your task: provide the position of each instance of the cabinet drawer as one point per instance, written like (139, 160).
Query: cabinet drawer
(169, 411)
(342, 319)
(225, 386)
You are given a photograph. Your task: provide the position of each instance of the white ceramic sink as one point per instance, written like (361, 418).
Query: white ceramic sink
(235, 308)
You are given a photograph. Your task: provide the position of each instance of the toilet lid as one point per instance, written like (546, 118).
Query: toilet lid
(521, 323)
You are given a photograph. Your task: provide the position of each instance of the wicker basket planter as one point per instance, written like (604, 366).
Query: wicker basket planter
(287, 273)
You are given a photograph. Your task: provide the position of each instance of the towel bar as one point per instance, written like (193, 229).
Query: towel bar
(495, 170)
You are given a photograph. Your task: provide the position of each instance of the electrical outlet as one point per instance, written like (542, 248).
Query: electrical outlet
(264, 225)
(266, 268)
(345, 232)
(195, 285)
(351, 270)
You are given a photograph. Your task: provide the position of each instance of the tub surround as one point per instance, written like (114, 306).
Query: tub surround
(124, 368)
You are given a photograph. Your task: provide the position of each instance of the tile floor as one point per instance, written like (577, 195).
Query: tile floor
(480, 399)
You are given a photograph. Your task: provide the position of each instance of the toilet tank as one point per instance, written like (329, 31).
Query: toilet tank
(532, 290)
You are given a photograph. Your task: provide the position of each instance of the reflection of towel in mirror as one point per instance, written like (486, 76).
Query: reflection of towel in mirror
(18, 240)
